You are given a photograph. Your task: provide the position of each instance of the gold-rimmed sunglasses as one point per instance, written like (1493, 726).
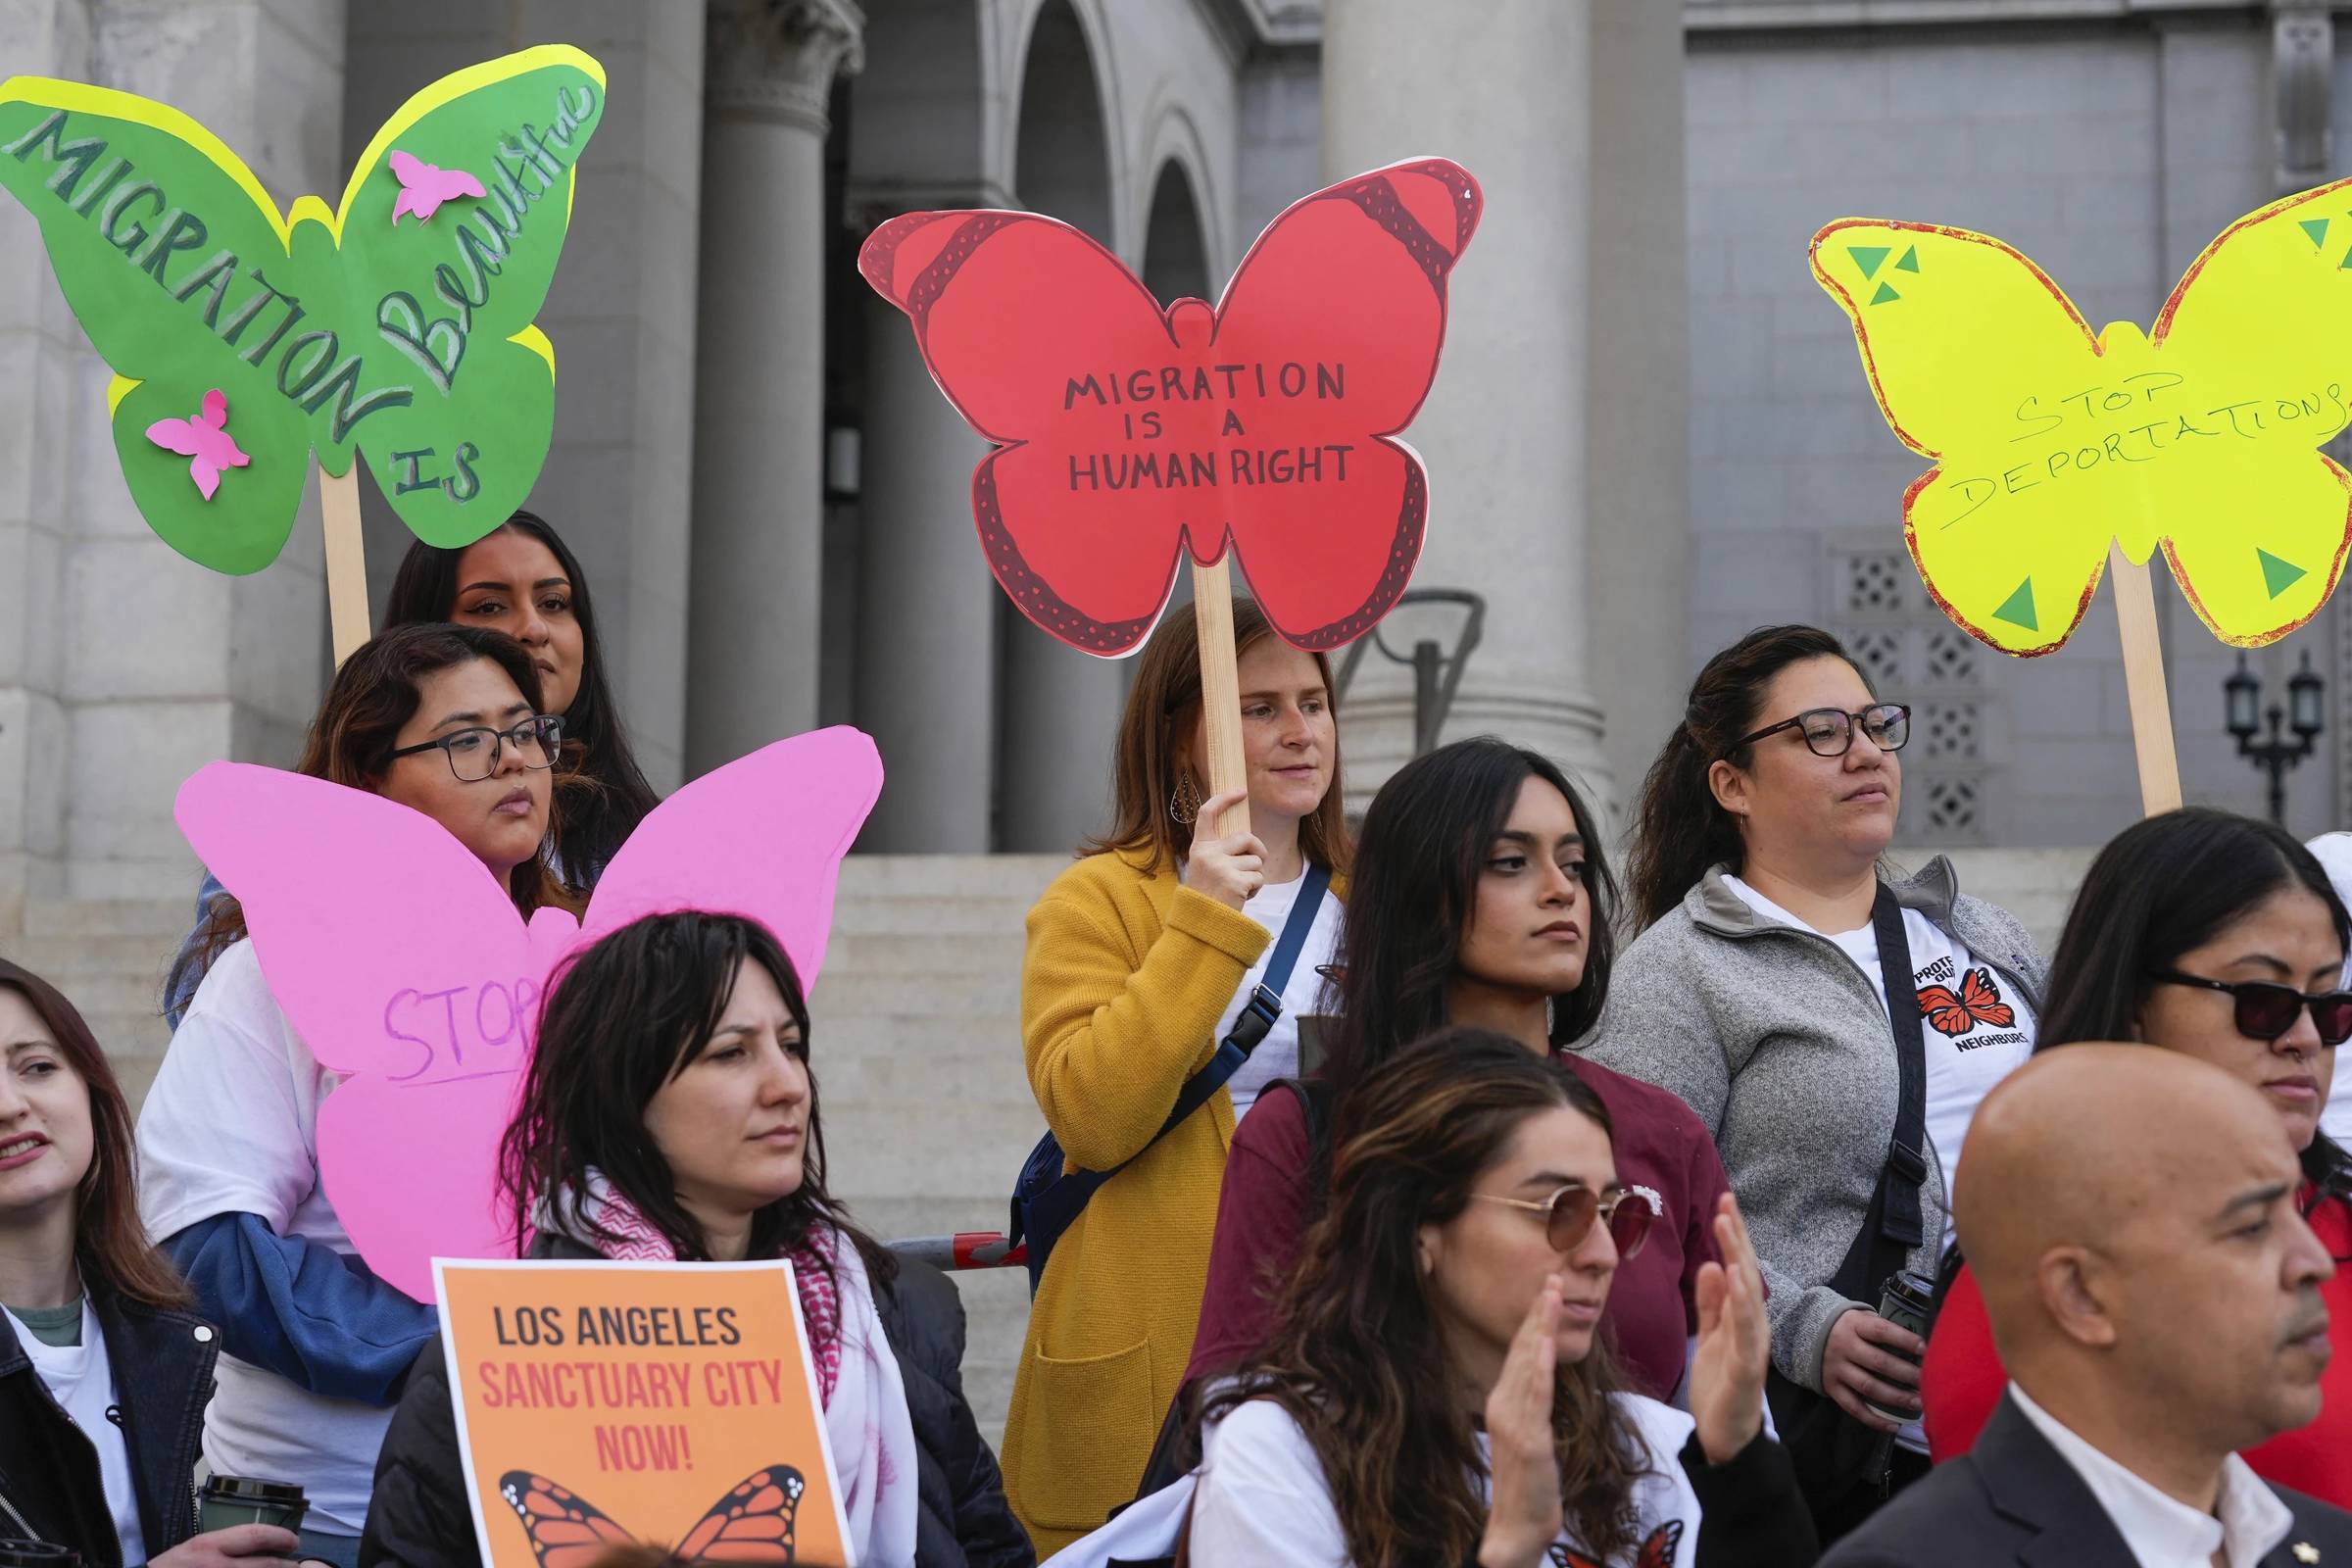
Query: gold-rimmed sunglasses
(1569, 1214)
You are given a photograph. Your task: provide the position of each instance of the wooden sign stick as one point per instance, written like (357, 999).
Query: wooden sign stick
(346, 560)
(1220, 689)
(2143, 685)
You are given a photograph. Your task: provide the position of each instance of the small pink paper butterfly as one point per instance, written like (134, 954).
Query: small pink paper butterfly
(204, 440)
(424, 187)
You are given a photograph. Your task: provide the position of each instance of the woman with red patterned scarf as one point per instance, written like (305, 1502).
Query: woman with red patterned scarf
(671, 1113)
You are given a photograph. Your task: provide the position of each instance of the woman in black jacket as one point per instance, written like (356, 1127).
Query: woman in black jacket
(103, 1380)
(669, 1112)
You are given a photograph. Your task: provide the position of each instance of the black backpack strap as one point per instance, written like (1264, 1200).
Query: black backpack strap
(1900, 1226)
(1257, 1015)
(1047, 1198)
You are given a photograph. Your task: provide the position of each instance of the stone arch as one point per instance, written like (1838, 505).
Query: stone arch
(1062, 161)
(1175, 250)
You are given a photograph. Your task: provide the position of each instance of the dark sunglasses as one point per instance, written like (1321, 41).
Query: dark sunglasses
(2267, 1010)
(1569, 1214)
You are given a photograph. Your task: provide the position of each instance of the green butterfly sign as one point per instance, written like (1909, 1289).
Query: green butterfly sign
(398, 325)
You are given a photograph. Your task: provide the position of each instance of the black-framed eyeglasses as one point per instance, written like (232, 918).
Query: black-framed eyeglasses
(1569, 1214)
(2265, 1009)
(1829, 731)
(474, 752)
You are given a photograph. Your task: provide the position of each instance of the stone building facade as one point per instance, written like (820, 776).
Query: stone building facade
(1648, 433)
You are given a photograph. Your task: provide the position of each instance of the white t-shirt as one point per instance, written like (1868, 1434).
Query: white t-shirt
(2335, 852)
(1263, 1498)
(232, 1127)
(1974, 1029)
(81, 1378)
(1277, 1055)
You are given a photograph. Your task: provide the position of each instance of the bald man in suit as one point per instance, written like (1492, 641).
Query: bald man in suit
(2130, 1213)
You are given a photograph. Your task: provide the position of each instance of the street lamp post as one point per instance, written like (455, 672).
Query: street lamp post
(2247, 718)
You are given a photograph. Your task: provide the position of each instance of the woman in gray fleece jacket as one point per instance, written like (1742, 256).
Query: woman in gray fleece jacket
(1756, 993)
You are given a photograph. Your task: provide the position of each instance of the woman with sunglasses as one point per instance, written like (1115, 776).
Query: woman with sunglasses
(1437, 1390)
(1481, 896)
(446, 720)
(2220, 937)
(1758, 995)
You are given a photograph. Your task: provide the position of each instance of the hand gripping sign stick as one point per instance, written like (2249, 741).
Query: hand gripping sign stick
(397, 325)
(2060, 451)
(1263, 428)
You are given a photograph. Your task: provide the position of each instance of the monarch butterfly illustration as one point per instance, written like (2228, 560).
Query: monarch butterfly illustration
(1979, 1002)
(751, 1523)
(1656, 1552)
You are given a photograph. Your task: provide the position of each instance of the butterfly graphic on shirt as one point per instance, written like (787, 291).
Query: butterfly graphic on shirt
(1656, 1552)
(1979, 1002)
(1126, 434)
(753, 1523)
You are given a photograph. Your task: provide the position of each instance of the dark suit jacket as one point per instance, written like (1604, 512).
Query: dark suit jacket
(2015, 1501)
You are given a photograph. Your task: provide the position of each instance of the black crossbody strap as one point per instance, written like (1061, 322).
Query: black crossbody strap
(1257, 1014)
(1906, 1168)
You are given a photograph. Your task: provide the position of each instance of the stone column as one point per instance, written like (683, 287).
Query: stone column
(926, 610)
(1504, 88)
(48, 395)
(1062, 714)
(123, 665)
(1638, 478)
(759, 450)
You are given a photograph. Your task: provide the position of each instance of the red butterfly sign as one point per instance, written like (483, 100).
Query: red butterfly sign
(1126, 433)
(1979, 1003)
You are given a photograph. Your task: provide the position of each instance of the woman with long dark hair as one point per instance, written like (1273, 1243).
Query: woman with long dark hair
(1481, 894)
(1772, 993)
(1437, 1390)
(670, 1112)
(522, 579)
(447, 721)
(1142, 958)
(103, 1371)
(2221, 937)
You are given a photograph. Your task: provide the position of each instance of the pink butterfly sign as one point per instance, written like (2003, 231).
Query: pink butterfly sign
(409, 972)
(204, 441)
(424, 187)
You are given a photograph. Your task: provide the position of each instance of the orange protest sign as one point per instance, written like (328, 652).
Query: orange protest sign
(674, 1403)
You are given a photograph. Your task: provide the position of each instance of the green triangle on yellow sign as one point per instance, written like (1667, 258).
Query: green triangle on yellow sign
(1870, 256)
(1910, 261)
(2317, 228)
(1884, 294)
(2018, 607)
(2279, 575)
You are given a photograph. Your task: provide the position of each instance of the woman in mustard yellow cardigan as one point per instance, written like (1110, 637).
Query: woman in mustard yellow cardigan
(1140, 957)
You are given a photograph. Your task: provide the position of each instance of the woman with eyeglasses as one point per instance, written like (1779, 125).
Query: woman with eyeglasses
(1768, 991)
(446, 720)
(1437, 1389)
(522, 579)
(2221, 937)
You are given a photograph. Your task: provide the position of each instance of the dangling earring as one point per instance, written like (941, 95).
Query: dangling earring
(1184, 804)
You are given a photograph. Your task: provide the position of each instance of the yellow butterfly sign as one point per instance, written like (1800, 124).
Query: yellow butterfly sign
(2200, 437)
